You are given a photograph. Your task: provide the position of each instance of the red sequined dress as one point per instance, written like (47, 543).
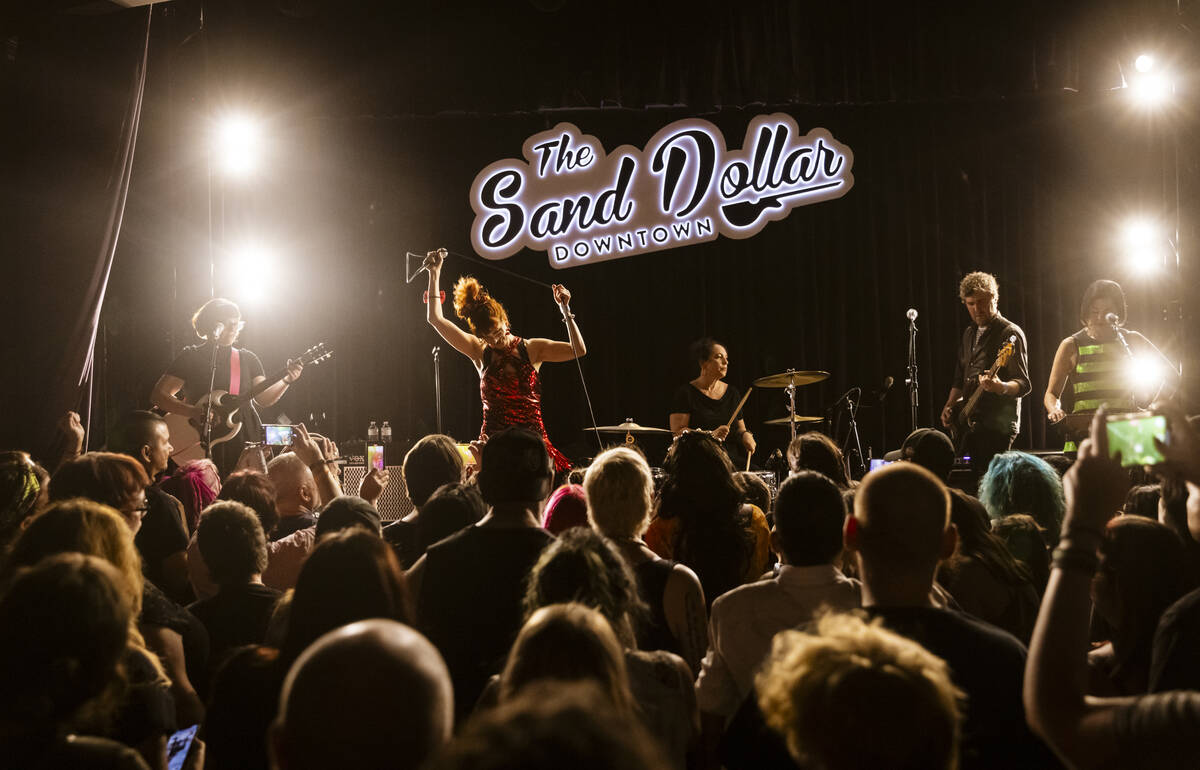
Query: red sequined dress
(511, 392)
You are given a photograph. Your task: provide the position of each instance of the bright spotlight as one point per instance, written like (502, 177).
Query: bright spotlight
(1150, 90)
(1145, 373)
(1144, 63)
(250, 270)
(237, 144)
(1143, 241)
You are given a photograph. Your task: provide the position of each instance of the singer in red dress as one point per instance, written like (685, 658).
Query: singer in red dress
(509, 385)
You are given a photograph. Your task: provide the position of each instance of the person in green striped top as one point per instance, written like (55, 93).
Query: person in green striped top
(1093, 366)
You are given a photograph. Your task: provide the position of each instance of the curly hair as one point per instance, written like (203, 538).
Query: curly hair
(1017, 482)
(818, 690)
(702, 349)
(473, 304)
(979, 281)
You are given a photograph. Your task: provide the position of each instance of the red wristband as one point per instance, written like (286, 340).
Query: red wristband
(441, 297)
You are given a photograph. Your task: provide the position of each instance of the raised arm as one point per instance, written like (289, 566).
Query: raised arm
(1064, 362)
(467, 344)
(1079, 728)
(541, 350)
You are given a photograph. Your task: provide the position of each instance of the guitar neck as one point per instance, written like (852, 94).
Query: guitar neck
(978, 392)
(257, 390)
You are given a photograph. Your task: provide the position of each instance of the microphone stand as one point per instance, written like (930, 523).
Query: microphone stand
(437, 385)
(913, 398)
(852, 432)
(206, 431)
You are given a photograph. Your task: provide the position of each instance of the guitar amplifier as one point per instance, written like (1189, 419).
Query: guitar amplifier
(394, 504)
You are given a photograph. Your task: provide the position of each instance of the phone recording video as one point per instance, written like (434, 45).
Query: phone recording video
(279, 435)
(375, 456)
(1133, 436)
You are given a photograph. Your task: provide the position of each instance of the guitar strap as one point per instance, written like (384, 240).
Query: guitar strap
(235, 371)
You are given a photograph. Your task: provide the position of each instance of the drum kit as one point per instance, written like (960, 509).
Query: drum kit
(789, 381)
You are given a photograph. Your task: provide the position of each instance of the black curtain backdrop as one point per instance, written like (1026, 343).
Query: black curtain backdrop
(963, 161)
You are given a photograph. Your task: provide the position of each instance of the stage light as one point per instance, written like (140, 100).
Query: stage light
(1145, 374)
(1144, 63)
(1150, 89)
(237, 144)
(250, 270)
(1143, 243)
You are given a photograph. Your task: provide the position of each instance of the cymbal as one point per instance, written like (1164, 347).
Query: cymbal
(798, 418)
(626, 427)
(791, 377)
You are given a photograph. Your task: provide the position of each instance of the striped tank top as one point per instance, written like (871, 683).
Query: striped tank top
(1099, 376)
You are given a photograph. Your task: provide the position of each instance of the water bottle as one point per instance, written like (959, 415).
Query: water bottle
(372, 433)
(385, 433)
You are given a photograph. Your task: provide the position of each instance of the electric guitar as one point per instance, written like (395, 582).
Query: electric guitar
(962, 421)
(187, 434)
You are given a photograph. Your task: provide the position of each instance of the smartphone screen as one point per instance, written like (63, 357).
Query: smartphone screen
(464, 450)
(375, 456)
(279, 435)
(178, 746)
(877, 463)
(1133, 437)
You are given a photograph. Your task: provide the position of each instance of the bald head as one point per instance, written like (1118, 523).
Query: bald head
(373, 694)
(295, 488)
(901, 520)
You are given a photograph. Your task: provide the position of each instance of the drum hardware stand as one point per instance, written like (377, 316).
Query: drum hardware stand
(852, 431)
(913, 398)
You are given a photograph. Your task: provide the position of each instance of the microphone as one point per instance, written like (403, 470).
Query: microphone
(884, 387)
(911, 314)
(436, 351)
(218, 330)
(1111, 319)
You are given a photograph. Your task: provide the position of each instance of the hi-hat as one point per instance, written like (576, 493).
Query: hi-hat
(795, 418)
(790, 377)
(626, 427)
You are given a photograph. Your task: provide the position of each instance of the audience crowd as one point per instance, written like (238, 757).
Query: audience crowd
(155, 615)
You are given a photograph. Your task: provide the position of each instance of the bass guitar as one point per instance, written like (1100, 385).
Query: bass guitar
(187, 434)
(962, 423)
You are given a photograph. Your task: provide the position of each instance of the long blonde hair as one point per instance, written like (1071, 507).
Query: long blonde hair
(84, 526)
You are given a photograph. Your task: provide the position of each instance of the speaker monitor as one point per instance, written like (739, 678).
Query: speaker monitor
(394, 504)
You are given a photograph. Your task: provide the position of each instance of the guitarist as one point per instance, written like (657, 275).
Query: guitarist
(998, 414)
(218, 322)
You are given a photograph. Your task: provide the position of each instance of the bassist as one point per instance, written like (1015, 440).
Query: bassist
(218, 322)
(997, 416)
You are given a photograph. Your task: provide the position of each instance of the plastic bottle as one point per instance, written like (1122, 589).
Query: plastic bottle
(372, 433)
(385, 433)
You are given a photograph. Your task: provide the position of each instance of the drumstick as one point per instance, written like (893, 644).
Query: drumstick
(739, 408)
(748, 456)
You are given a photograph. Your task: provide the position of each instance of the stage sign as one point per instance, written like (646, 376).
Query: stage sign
(579, 204)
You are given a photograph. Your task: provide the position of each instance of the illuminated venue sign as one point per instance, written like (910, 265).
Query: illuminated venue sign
(579, 204)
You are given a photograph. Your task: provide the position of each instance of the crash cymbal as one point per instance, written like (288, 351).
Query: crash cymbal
(798, 418)
(791, 377)
(626, 427)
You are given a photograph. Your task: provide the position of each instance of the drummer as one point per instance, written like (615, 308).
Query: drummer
(708, 402)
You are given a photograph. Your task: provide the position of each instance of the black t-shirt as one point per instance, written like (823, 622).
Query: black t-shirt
(1175, 664)
(236, 616)
(402, 537)
(995, 413)
(703, 412)
(989, 666)
(193, 365)
(162, 532)
(159, 610)
(470, 601)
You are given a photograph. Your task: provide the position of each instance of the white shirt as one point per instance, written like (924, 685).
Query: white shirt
(745, 620)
